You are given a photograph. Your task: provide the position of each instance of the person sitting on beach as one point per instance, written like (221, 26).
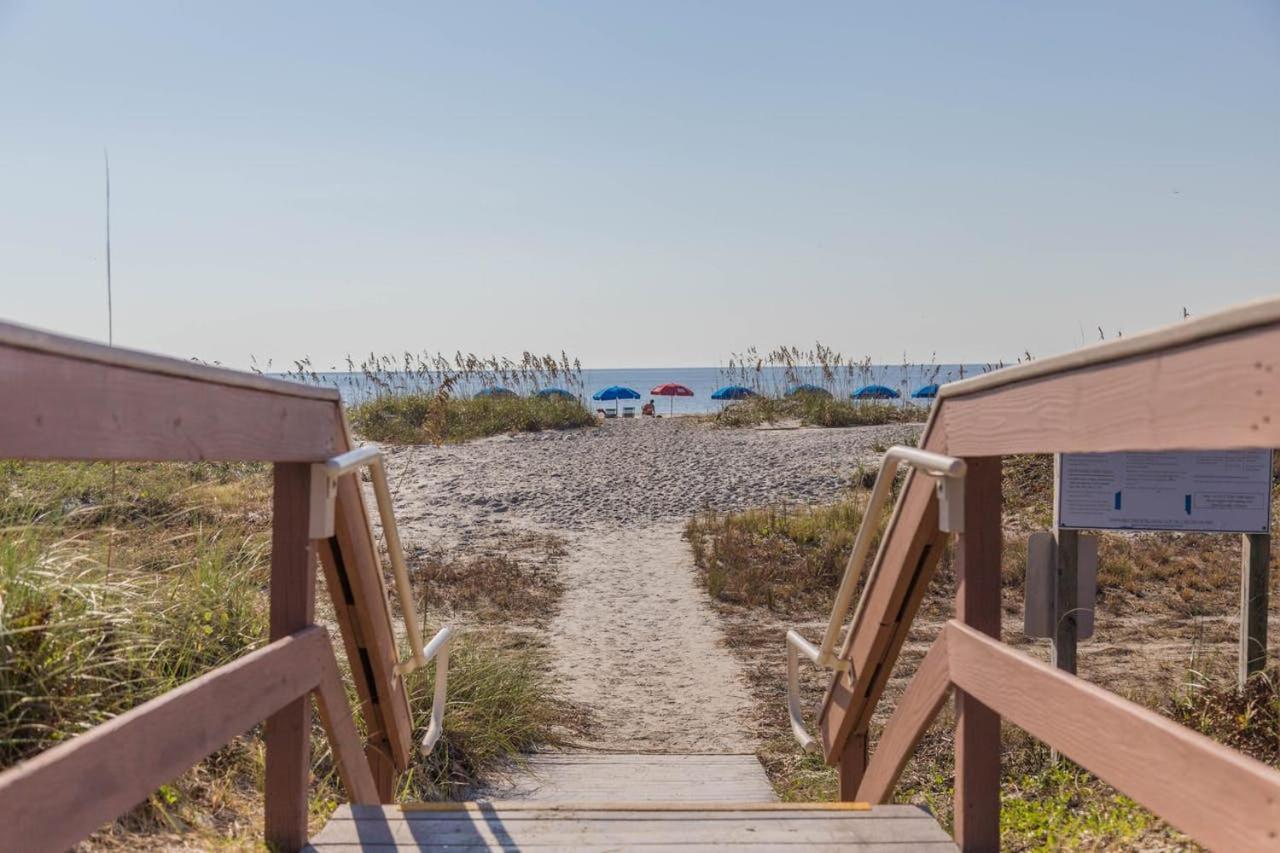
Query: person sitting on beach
(648, 409)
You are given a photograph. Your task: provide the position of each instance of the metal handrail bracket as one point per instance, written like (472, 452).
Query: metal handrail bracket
(324, 490)
(949, 473)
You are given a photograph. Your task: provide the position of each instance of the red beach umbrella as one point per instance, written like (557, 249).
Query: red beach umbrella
(672, 390)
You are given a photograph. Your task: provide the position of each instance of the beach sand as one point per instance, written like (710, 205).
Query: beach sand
(634, 640)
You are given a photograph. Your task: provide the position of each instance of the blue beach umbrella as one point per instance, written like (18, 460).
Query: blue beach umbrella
(555, 392)
(814, 390)
(875, 392)
(926, 392)
(496, 391)
(616, 393)
(732, 392)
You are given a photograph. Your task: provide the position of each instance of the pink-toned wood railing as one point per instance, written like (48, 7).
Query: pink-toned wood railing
(68, 791)
(71, 400)
(1221, 798)
(1210, 383)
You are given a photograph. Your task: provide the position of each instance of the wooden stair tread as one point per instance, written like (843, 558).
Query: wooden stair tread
(497, 825)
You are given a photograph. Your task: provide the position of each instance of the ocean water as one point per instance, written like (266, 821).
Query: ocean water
(904, 379)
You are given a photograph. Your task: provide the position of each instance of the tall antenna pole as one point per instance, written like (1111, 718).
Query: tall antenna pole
(111, 341)
(106, 162)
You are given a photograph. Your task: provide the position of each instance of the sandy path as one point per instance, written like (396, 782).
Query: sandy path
(635, 639)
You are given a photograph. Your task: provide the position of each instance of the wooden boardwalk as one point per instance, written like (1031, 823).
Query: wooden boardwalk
(612, 801)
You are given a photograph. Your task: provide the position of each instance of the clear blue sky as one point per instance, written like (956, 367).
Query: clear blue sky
(640, 184)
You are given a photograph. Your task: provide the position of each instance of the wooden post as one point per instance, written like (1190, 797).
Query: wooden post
(293, 585)
(978, 549)
(1066, 595)
(1255, 574)
(1066, 560)
(853, 765)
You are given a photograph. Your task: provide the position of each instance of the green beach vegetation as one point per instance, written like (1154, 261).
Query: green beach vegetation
(119, 583)
(770, 568)
(817, 410)
(413, 418)
(778, 378)
(431, 398)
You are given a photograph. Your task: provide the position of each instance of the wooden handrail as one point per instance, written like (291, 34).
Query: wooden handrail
(1219, 797)
(1210, 383)
(14, 337)
(76, 400)
(909, 552)
(79, 401)
(60, 796)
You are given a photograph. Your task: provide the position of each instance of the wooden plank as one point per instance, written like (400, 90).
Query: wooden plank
(1239, 318)
(17, 337)
(60, 796)
(1218, 393)
(627, 834)
(853, 764)
(627, 829)
(700, 758)
(900, 575)
(916, 711)
(978, 549)
(377, 746)
(415, 811)
(293, 584)
(586, 777)
(69, 408)
(391, 723)
(335, 715)
(807, 847)
(1255, 580)
(1066, 587)
(1221, 798)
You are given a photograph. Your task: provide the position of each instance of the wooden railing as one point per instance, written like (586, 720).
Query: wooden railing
(1211, 383)
(71, 400)
(68, 791)
(1218, 796)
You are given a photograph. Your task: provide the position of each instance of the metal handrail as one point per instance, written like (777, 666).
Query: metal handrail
(949, 472)
(797, 643)
(438, 648)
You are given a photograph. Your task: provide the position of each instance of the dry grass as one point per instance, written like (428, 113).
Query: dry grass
(515, 583)
(784, 558)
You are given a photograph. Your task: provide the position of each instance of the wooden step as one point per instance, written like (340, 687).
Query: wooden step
(500, 825)
(576, 777)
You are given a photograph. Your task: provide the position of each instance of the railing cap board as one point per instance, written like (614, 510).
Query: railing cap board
(1250, 315)
(14, 336)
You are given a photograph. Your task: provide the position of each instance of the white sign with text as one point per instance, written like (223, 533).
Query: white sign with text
(1212, 491)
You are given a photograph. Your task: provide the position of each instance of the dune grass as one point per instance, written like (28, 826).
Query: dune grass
(783, 558)
(185, 590)
(415, 418)
(817, 410)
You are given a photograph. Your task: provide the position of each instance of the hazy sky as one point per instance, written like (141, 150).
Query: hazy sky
(639, 184)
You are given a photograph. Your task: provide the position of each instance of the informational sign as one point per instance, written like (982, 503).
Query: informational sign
(1219, 491)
